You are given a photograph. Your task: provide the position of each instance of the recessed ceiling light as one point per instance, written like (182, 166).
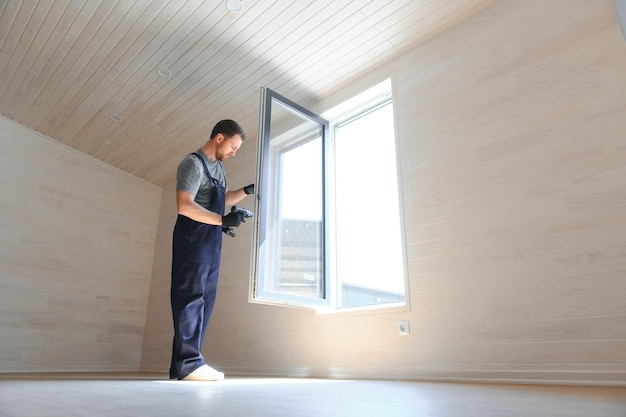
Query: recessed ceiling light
(234, 6)
(116, 118)
(164, 72)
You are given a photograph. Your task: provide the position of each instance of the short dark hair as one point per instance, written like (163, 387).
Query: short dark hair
(228, 128)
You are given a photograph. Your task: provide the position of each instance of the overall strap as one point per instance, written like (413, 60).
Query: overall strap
(206, 169)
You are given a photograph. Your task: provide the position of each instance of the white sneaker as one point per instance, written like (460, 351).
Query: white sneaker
(204, 373)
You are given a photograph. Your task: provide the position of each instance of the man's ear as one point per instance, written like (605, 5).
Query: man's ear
(219, 137)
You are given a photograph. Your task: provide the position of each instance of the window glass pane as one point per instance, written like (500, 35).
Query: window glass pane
(369, 254)
(299, 234)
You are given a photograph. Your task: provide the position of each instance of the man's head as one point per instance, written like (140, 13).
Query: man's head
(228, 137)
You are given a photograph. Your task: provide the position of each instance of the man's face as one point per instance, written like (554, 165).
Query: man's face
(227, 147)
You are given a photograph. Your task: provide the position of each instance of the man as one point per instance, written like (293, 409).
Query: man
(201, 197)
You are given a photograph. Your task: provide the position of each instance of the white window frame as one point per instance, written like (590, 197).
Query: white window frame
(329, 302)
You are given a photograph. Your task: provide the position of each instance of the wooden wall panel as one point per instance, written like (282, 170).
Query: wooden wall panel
(77, 242)
(159, 330)
(511, 131)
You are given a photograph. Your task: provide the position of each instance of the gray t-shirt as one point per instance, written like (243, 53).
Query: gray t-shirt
(192, 178)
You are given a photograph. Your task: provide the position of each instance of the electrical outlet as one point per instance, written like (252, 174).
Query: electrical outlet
(404, 328)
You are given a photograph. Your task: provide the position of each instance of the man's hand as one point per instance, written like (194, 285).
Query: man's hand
(249, 189)
(233, 219)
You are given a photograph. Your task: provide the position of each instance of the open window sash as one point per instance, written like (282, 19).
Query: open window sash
(290, 258)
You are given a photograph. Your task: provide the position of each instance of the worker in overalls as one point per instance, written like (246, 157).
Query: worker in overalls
(201, 198)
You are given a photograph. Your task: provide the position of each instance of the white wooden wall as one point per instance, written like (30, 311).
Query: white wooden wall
(513, 149)
(512, 142)
(76, 246)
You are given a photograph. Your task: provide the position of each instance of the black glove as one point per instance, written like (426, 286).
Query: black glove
(249, 189)
(233, 219)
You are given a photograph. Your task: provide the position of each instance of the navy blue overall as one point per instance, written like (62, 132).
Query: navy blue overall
(196, 253)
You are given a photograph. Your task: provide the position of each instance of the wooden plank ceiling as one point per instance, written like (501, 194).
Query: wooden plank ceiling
(67, 66)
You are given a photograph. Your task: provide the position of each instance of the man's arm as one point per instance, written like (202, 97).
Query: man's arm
(189, 208)
(233, 197)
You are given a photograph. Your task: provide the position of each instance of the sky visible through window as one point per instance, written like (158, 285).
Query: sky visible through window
(368, 217)
(301, 182)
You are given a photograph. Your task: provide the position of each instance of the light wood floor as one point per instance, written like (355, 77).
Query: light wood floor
(67, 395)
